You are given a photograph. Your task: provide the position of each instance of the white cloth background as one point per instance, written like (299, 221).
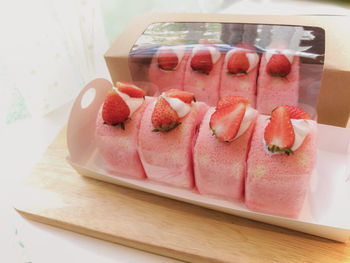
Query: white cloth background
(51, 50)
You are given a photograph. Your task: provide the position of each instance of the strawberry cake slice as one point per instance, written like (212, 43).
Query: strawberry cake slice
(280, 162)
(167, 134)
(220, 160)
(202, 74)
(239, 73)
(117, 129)
(167, 68)
(278, 81)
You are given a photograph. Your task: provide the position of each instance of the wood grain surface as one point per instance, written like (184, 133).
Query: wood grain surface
(55, 194)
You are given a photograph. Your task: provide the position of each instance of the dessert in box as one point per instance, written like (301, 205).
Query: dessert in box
(279, 80)
(274, 169)
(221, 149)
(117, 130)
(202, 74)
(240, 72)
(167, 134)
(167, 68)
(281, 160)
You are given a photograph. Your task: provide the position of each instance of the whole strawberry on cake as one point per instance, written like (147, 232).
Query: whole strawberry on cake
(202, 74)
(168, 131)
(279, 80)
(117, 130)
(222, 146)
(239, 73)
(280, 162)
(167, 68)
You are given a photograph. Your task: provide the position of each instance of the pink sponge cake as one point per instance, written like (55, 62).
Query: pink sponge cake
(167, 133)
(202, 75)
(167, 68)
(280, 162)
(220, 160)
(239, 73)
(278, 81)
(117, 128)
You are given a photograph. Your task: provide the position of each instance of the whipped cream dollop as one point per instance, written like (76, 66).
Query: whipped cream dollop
(246, 121)
(289, 54)
(179, 50)
(301, 129)
(133, 103)
(253, 58)
(214, 52)
(177, 105)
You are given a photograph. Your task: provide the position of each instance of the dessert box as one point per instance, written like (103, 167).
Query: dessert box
(330, 98)
(322, 76)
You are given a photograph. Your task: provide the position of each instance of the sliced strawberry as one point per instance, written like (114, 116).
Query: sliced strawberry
(225, 122)
(130, 89)
(164, 118)
(296, 113)
(201, 61)
(238, 63)
(115, 111)
(167, 59)
(185, 96)
(278, 65)
(231, 100)
(279, 132)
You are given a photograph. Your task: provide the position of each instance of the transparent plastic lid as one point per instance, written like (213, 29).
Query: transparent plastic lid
(297, 84)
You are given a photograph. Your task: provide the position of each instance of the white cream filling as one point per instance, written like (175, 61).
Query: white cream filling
(133, 103)
(253, 58)
(177, 105)
(178, 50)
(289, 54)
(214, 52)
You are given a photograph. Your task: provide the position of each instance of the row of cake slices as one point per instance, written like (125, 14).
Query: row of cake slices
(229, 151)
(213, 71)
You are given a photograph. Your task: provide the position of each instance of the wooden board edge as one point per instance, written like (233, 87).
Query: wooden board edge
(158, 250)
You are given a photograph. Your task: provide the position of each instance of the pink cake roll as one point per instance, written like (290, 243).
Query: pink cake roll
(167, 156)
(275, 90)
(220, 167)
(167, 68)
(277, 183)
(202, 74)
(239, 74)
(118, 147)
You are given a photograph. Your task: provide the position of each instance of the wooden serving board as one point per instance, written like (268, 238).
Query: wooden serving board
(55, 194)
